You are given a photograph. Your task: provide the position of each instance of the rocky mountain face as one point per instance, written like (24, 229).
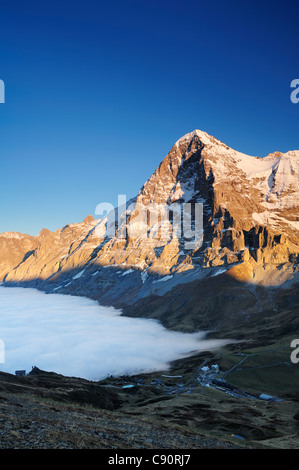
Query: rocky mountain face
(248, 213)
(14, 248)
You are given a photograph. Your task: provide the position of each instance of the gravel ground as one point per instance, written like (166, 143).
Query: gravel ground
(30, 423)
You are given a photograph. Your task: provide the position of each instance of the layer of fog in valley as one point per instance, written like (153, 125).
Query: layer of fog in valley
(75, 336)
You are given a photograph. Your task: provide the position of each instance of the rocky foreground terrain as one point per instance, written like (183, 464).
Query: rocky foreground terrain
(240, 280)
(56, 412)
(48, 411)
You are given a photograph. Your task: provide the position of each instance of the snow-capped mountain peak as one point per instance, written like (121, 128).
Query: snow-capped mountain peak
(249, 217)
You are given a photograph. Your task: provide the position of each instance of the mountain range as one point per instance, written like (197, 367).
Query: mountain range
(244, 263)
(210, 243)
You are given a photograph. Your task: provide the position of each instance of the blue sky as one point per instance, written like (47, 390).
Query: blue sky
(98, 92)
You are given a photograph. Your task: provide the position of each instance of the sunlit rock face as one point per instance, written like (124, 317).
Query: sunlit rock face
(242, 219)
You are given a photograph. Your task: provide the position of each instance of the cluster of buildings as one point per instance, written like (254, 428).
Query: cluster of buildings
(207, 377)
(214, 369)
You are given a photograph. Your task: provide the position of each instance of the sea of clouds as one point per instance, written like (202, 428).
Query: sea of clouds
(75, 336)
